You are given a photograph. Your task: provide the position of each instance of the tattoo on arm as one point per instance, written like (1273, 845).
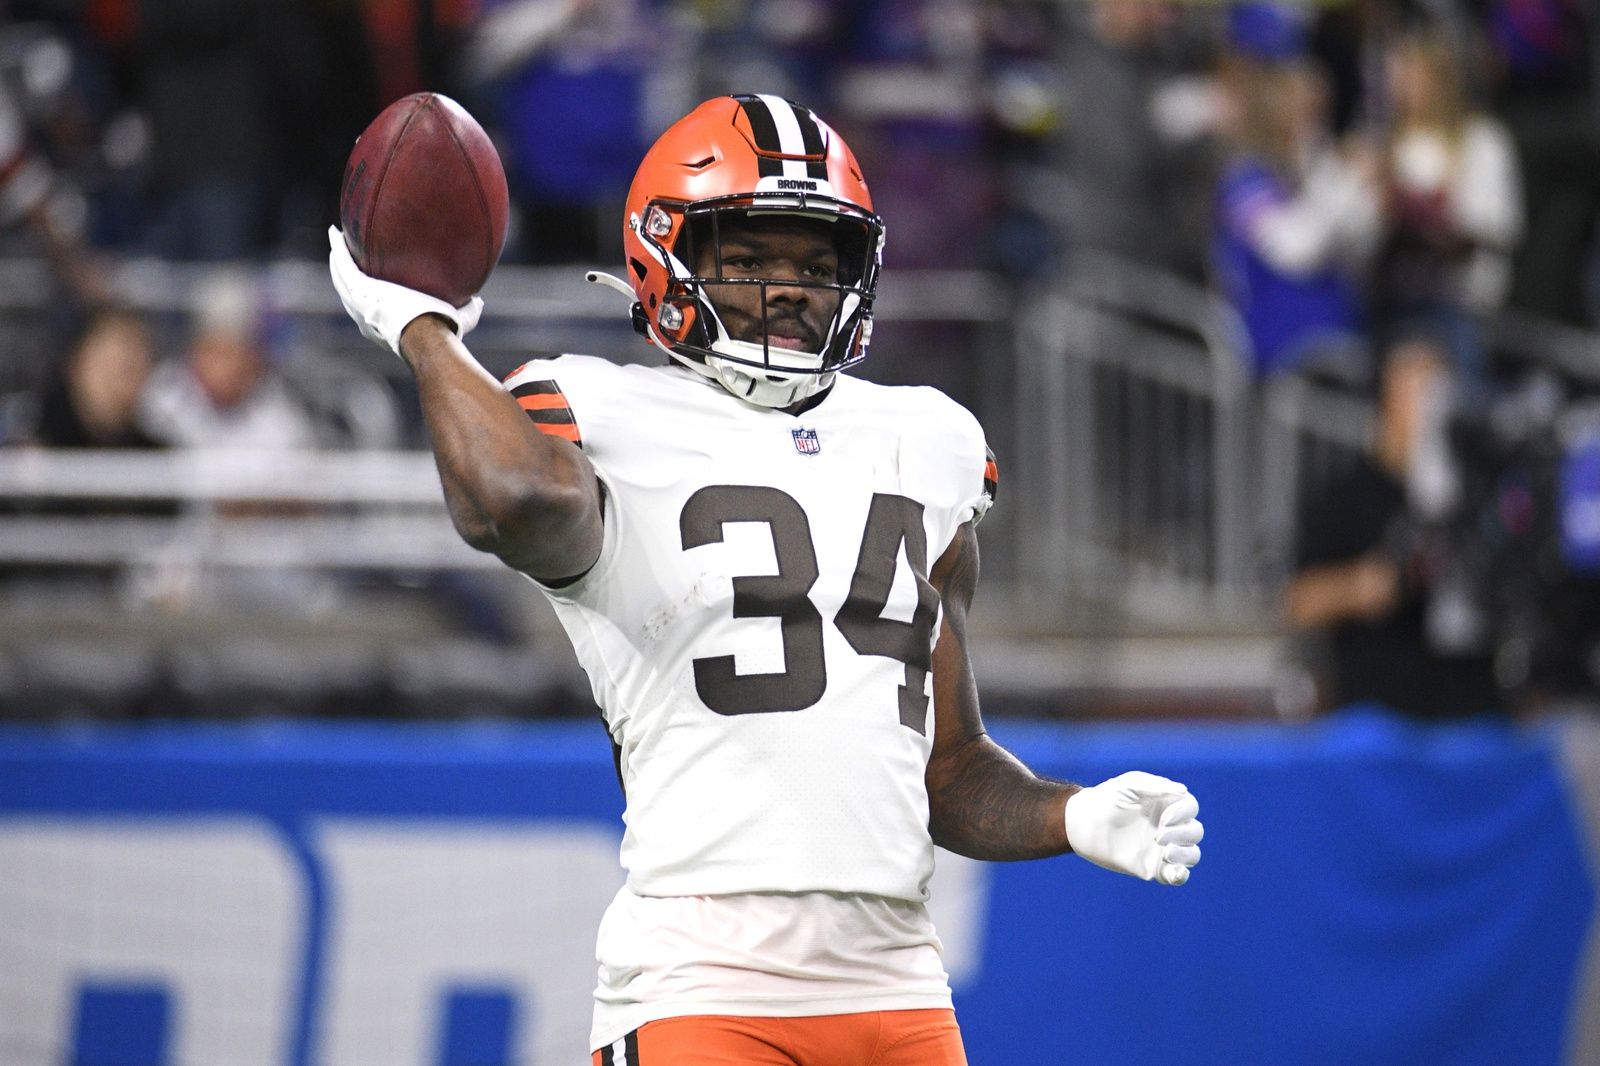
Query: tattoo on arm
(990, 806)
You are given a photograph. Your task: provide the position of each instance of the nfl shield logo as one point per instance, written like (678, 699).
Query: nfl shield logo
(805, 441)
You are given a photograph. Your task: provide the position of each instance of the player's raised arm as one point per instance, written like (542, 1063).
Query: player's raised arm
(985, 804)
(531, 499)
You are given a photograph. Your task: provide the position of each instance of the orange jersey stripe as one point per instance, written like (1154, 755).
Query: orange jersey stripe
(991, 471)
(564, 430)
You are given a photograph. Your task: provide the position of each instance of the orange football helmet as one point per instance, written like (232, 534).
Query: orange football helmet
(755, 155)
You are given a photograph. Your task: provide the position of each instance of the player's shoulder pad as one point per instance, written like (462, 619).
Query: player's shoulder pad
(563, 369)
(948, 433)
(941, 412)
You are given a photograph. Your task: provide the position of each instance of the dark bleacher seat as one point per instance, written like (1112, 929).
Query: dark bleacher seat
(254, 678)
(56, 679)
(463, 678)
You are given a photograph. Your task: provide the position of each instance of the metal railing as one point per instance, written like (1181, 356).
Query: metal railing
(1156, 479)
(1133, 401)
(1308, 432)
(242, 510)
(1145, 470)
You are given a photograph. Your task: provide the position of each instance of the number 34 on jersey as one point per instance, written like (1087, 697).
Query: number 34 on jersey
(893, 523)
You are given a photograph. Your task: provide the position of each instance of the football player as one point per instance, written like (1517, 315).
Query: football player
(765, 566)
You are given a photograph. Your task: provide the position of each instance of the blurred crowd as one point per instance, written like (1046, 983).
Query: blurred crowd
(1393, 136)
(1341, 172)
(1368, 184)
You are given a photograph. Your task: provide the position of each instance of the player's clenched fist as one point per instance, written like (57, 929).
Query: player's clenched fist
(1139, 824)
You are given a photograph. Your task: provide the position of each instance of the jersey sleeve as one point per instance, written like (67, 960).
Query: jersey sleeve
(991, 485)
(958, 475)
(551, 393)
(537, 390)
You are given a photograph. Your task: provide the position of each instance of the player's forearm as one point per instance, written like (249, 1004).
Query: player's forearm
(982, 802)
(985, 804)
(528, 498)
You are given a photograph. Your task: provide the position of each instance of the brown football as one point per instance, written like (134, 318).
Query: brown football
(424, 201)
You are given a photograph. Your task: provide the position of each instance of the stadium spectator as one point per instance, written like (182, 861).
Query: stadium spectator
(1297, 215)
(910, 87)
(241, 99)
(1372, 572)
(205, 93)
(224, 393)
(1133, 143)
(618, 490)
(93, 402)
(569, 84)
(1454, 200)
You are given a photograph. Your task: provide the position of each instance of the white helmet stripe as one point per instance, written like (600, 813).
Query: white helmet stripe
(790, 140)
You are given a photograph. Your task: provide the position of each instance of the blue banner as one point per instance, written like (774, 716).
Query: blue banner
(294, 894)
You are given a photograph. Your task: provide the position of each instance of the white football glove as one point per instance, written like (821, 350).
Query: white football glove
(383, 309)
(1139, 824)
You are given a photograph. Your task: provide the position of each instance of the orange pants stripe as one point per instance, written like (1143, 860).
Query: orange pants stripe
(873, 1038)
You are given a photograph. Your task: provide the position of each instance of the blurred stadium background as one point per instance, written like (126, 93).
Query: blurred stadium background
(289, 775)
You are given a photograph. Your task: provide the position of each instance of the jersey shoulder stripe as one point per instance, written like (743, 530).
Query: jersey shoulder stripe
(547, 407)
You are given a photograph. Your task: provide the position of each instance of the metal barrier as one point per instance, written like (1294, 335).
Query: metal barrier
(1527, 339)
(250, 510)
(1308, 433)
(1135, 488)
(1154, 479)
(1144, 473)
(1128, 475)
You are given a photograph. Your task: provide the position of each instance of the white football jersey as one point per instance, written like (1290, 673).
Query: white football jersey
(758, 627)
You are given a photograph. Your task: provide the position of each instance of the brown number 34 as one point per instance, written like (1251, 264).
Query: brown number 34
(892, 521)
